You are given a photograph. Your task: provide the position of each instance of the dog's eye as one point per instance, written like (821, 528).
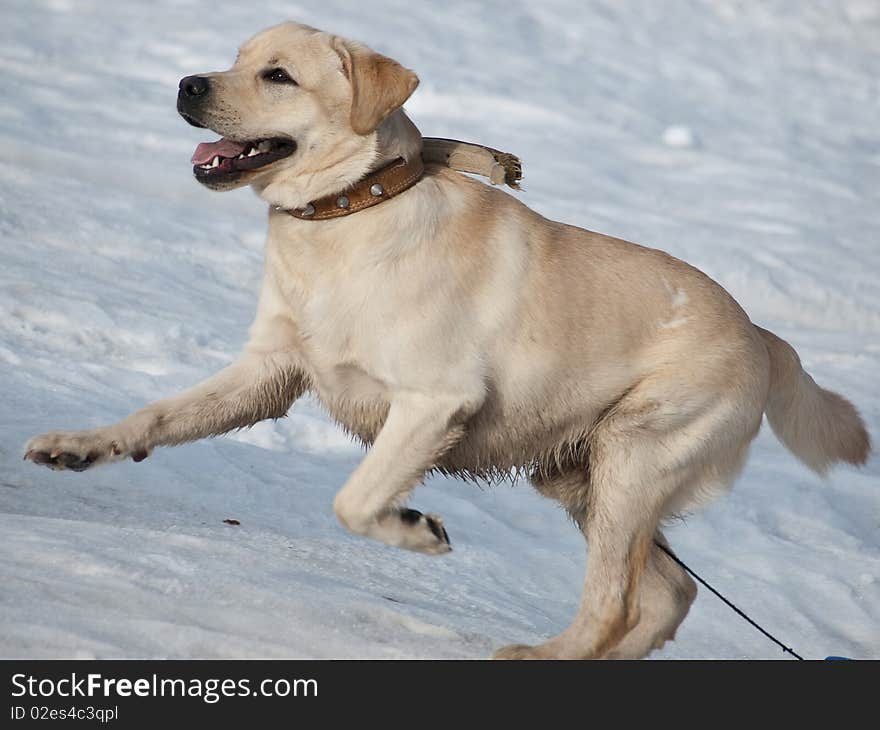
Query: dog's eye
(278, 76)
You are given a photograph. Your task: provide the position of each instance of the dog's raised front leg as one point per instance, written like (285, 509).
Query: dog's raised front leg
(252, 389)
(418, 430)
(262, 383)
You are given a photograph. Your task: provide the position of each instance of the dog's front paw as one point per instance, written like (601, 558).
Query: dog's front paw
(78, 450)
(424, 533)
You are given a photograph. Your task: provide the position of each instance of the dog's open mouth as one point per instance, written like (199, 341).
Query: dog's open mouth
(227, 158)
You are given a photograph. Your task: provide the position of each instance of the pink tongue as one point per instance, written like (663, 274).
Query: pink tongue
(207, 151)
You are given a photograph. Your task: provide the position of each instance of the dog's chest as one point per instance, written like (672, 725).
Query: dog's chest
(378, 313)
(352, 337)
(345, 341)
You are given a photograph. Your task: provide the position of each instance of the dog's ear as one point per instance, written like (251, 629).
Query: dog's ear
(379, 84)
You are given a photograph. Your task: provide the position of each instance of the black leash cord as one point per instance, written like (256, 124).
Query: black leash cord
(741, 613)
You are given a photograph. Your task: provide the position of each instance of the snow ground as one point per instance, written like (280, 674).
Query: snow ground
(741, 137)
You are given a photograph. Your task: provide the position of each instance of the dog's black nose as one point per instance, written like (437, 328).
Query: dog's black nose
(194, 85)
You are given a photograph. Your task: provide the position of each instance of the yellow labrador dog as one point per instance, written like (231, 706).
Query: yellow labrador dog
(454, 329)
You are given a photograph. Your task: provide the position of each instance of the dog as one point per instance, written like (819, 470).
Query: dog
(453, 329)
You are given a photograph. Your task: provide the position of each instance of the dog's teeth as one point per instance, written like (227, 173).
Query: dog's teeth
(253, 151)
(241, 156)
(215, 162)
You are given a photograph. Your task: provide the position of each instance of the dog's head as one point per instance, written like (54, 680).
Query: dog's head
(297, 103)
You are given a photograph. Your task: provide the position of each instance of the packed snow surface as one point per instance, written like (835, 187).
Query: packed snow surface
(742, 137)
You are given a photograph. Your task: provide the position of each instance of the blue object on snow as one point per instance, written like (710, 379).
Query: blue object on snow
(837, 659)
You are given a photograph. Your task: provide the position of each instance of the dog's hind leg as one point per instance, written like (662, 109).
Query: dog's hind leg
(618, 516)
(647, 457)
(666, 593)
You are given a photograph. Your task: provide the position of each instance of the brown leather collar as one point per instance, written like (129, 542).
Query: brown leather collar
(378, 186)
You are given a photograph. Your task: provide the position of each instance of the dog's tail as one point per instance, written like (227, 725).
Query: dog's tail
(818, 426)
